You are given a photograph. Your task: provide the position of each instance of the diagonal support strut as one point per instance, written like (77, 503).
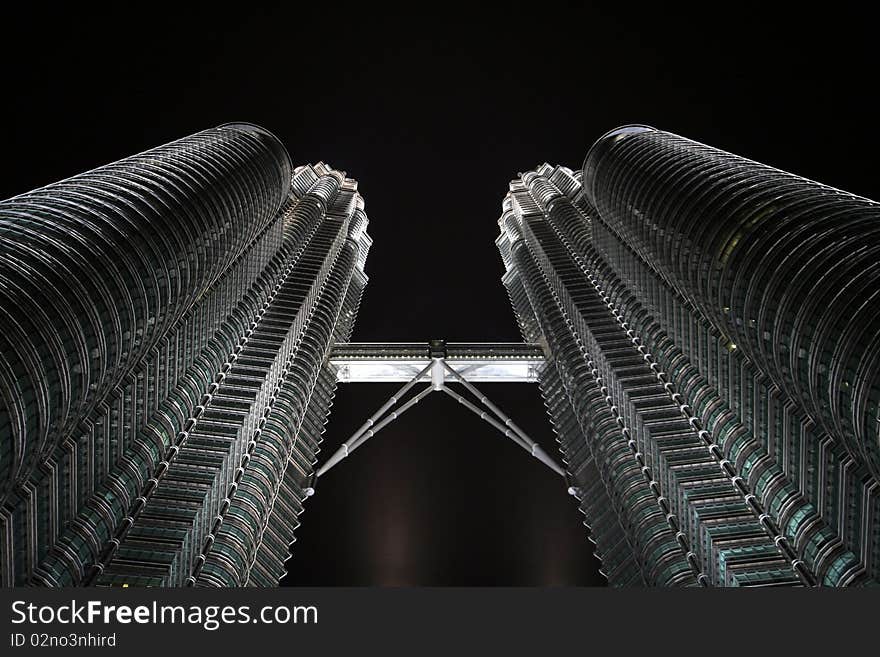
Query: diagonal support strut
(365, 431)
(510, 428)
(438, 368)
(531, 446)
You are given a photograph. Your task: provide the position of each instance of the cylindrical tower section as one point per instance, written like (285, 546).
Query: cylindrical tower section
(786, 268)
(96, 268)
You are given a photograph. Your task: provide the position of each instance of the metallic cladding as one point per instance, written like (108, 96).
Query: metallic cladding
(721, 316)
(165, 322)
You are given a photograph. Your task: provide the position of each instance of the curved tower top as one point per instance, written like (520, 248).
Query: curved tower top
(602, 145)
(97, 267)
(282, 155)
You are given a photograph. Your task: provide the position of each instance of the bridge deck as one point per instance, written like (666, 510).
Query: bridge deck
(387, 362)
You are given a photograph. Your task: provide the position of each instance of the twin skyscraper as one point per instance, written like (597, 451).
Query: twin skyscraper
(710, 330)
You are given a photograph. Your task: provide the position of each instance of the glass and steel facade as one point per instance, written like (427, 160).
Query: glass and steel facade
(704, 329)
(711, 326)
(164, 326)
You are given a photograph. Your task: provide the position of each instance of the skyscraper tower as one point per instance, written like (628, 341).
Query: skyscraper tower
(712, 329)
(164, 322)
(704, 329)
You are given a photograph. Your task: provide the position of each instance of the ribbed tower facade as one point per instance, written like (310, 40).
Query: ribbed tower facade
(164, 326)
(711, 327)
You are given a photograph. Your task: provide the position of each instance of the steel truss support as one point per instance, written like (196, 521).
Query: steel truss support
(441, 373)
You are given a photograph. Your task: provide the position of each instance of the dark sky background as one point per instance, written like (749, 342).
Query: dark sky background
(434, 111)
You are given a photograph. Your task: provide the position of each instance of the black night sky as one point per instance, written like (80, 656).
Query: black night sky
(434, 111)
